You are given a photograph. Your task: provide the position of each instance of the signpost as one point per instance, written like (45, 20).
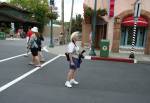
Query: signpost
(137, 10)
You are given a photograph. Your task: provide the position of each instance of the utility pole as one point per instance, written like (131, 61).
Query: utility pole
(62, 22)
(137, 10)
(92, 51)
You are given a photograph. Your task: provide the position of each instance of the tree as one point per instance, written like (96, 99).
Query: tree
(39, 8)
(77, 23)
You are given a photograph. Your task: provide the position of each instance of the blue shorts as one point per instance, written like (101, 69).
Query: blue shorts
(76, 64)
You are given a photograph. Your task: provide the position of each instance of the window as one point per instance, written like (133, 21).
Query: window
(127, 34)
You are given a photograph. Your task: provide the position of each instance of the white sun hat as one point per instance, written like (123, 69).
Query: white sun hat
(34, 29)
(74, 34)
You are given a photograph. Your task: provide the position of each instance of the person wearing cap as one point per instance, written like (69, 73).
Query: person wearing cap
(73, 51)
(34, 47)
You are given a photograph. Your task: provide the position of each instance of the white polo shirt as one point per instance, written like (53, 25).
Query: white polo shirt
(71, 48)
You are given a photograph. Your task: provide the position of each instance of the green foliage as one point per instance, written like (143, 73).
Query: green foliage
(5, 28)
(101, 12)
(52, 15)
(87, 11)
(39, 8)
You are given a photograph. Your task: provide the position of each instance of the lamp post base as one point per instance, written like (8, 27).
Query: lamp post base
(92, 52)
(132, 56)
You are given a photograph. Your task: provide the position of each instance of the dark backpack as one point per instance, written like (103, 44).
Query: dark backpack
(39, 40)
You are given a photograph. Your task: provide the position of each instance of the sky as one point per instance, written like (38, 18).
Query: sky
(78, 8)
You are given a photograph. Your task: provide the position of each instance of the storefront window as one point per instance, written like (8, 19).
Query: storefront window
(123, 36)
(127, 34)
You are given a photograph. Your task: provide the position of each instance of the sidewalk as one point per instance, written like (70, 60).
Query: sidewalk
(141, 58)
(15, 38)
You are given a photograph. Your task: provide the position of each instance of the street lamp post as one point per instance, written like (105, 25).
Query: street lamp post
(92, 51)
(137, 9)
(51, 34)
(51, 27)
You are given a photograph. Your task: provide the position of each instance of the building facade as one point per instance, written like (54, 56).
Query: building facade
(117, 26)
(12, 17)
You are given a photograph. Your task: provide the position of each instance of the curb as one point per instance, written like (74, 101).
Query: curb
(126, 60)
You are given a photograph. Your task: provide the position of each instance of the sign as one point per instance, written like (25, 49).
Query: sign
(111, 8)
(105, 48)
(137, 9)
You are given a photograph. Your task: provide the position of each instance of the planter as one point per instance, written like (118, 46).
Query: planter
(87, 14)
(87, 20)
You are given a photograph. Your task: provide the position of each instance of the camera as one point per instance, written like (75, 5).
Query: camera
(79, 57)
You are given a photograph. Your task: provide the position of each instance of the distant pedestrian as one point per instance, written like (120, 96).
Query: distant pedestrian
(18, 33)
(61, 38)
(28, 36)
(73, 54)
(34, 47)
(22, 33)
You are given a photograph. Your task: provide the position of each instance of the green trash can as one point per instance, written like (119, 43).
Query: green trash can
(2, 36)
(104, 48)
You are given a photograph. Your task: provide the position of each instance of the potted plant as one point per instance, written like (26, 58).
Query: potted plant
(101, 12)
(87, 14)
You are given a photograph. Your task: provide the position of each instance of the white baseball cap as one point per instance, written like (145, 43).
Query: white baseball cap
(34, 29)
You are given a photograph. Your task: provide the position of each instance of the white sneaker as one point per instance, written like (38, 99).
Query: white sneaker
(72, 81)
(38, 65)
(67, 84)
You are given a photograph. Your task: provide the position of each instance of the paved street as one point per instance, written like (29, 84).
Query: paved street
(99, 81)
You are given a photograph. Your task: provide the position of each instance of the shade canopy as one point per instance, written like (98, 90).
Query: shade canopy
(129, 21)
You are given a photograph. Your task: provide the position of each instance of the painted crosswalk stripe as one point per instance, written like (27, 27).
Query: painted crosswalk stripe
(12, 57)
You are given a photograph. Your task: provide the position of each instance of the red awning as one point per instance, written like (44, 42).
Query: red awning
(129, 21)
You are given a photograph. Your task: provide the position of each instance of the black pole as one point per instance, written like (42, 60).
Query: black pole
(51, 33)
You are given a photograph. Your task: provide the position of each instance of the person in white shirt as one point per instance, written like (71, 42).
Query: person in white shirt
(73, 51)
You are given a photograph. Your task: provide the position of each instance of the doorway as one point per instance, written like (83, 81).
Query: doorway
(100, 34)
